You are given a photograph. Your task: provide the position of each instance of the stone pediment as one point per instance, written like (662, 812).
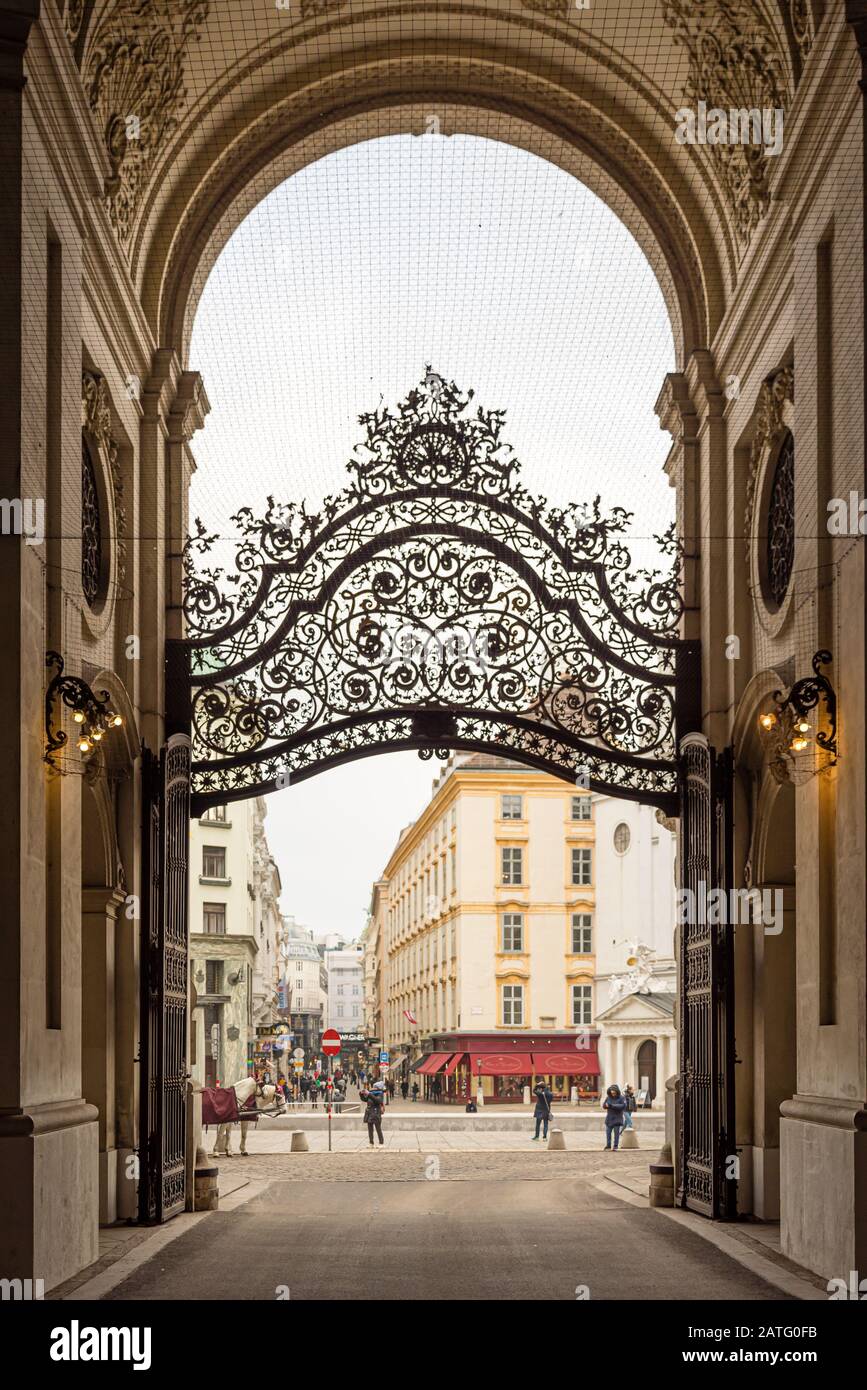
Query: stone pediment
(634, 1007)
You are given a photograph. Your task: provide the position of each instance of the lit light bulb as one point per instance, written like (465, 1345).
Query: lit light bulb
(117, 721)
(803, 727)
(96, 736)
(768, 720)
(84, 745)
(78, 717)
(799, 744)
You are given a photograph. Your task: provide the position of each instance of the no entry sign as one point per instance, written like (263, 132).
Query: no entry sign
(331, 1042)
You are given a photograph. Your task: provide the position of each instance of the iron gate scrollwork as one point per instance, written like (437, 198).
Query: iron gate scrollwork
(163, 1049)
(706, 1181)
(433, 604)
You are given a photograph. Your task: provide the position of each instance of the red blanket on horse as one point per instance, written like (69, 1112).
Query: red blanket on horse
(220, 1106)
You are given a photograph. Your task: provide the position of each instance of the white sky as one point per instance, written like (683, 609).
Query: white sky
(506, 275)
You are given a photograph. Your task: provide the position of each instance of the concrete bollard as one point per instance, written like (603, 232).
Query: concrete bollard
(556, 1139)
(629, 1139)
(299, 1143)
(480, 1098)
(661, 1191)
(206, 1191)
(526, 1095)
(573, 1095)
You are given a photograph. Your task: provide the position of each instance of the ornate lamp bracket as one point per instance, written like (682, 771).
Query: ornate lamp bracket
(788, 724)
(92, 713)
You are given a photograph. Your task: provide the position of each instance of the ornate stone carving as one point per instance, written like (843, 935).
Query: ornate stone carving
(134, 83)
(735, 62)
(803, 27)
(560, 8)
(96, 420)
(769, 423)
(73, 16)
(312, 9)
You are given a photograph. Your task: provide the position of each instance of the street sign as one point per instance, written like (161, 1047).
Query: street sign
(331, 1042)
(383, 1059)
(299, 1066)
(298, 1054)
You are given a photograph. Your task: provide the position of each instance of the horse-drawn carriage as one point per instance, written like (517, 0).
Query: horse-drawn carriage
(241, 1104)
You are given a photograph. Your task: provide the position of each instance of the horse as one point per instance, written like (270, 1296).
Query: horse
(268, 1100)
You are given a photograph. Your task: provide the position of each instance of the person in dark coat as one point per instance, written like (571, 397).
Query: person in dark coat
(614, 1106)
(542, 1112)
(373, 1101)
(415, 1090)
(404, 1088)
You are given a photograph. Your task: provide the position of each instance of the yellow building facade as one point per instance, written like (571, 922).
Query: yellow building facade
(485, 914)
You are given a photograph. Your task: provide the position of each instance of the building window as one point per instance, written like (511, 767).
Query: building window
(622, 837)
(215, 814)
(780, 555)
(582, 866)
(214, 918)
(513, 931)
(513, 1005)
(340, 989)
(213, 861)
(513, 864)
(582, 1005)
(582, 808)
(91, 529)
(582, 934)
(511, 807)
(213, 977)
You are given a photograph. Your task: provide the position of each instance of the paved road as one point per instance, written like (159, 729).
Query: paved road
(475, 1233)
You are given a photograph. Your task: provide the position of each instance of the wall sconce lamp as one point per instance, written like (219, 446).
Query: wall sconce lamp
(790, 731)
(93, 714)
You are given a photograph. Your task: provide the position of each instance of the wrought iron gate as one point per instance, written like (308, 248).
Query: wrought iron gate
(163, 1051)
(706, 1110)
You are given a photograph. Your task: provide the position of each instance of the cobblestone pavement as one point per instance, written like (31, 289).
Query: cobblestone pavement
(451, 1166)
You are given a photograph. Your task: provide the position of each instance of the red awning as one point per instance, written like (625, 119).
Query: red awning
(565, 1064)
(434, 1062)
(502, 1064)
(452, 1066)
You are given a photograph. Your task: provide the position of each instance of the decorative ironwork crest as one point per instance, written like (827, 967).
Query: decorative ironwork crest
(432, 604)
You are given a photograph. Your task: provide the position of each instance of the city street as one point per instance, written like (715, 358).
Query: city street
(453, 1225)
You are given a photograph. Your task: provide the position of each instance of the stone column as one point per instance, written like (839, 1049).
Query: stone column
(99, 908)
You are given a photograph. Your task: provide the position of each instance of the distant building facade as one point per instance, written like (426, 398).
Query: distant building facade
(486, 922)
(636, 973)
(235, 924)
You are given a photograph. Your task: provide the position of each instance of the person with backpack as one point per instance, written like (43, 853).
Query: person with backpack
(415, 1090)
(542, 1111)
(373, 1101)
(404, 1088)
(614, 1106)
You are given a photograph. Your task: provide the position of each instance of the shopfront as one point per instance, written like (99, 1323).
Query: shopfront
(500, 1065)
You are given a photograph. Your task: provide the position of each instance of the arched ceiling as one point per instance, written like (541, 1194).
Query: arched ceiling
(231, 96)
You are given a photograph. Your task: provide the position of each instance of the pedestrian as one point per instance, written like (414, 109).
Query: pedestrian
(542, 1111)
(373, 1113)
(631, 1105)
(404, 1088)
(415, 1090)
(437, 1089)
(390, 1084)
(314, 1092)
(614, 1106)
